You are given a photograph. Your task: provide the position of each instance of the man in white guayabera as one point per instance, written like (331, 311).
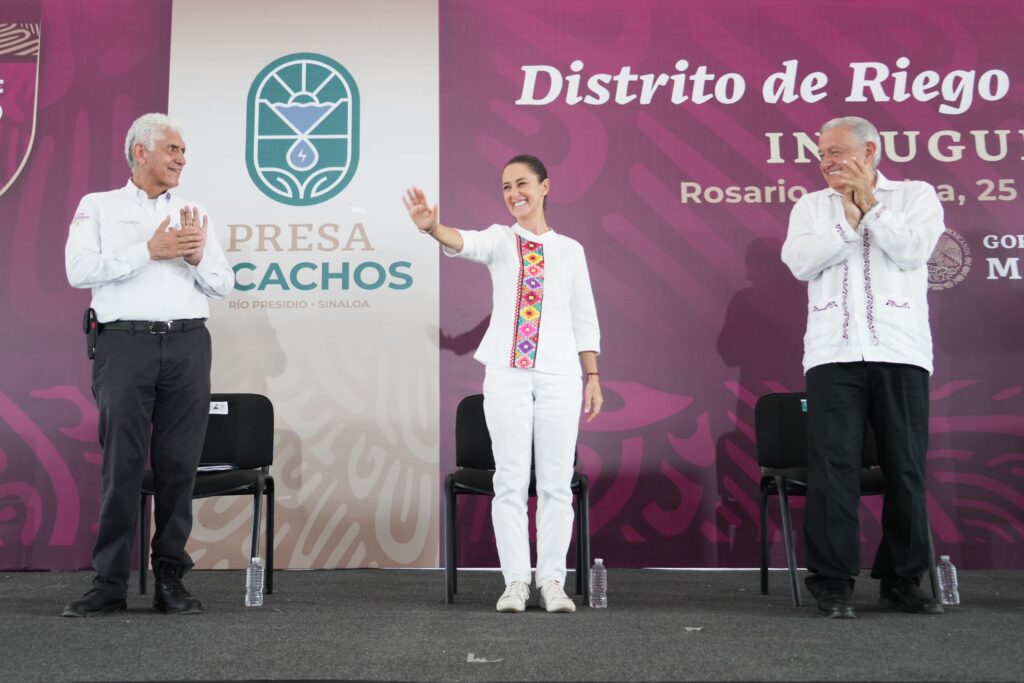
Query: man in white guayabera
(862, 245)
(153, 263)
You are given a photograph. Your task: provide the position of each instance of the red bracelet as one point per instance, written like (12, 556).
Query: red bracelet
(598, 374)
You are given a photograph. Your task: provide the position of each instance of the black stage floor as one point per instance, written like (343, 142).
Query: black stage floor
(393, 625)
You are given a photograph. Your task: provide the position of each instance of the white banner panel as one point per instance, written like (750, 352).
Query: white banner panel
(304, 122)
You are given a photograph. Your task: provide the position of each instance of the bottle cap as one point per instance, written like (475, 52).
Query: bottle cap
(598, 561)
(943, 558)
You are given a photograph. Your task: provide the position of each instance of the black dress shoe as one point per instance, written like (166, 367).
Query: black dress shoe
(170, 595)
(95, 603)
(905, 594)
(836, 604)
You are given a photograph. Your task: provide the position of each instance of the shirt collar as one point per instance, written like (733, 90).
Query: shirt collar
(881, 183)
(884, 183)
(526, 234)
(141, 195)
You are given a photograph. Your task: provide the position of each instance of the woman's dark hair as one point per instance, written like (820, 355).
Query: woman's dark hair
(535, 165)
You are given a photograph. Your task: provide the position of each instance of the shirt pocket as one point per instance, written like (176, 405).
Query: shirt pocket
(898, 313)
(824, 321)
(899, 321)
(116, 235)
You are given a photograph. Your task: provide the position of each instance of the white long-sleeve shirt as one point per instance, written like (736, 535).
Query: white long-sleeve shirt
(867, 291)
(107, 251)
(543, 306)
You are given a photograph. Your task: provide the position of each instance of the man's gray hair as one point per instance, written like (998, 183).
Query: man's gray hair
(862, 129)
(145, 131)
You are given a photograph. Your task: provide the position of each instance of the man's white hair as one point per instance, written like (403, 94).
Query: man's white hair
(862, 129)
(145, 131)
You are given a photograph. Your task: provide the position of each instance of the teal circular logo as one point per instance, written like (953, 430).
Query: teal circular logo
(302, 129)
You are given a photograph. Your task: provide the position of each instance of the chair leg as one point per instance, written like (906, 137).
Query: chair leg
(764, 542)
(269, 491)
(449, 543)
(143, 542)
(579, 545)
(787, 532)
(933, 574)
(585, 540)
(257, 502)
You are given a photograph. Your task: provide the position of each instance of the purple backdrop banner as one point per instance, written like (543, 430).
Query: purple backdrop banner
(677, 136)
(100, 66)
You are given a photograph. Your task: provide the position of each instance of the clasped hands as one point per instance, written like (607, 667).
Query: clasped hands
(858, 190)
(186, 243)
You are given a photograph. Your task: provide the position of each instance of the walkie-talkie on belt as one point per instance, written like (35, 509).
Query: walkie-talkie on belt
(92, 330)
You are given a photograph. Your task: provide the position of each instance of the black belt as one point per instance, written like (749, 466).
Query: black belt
(153, 326)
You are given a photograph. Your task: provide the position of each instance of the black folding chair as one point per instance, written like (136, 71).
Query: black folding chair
(780, 425)
(475, 476)
(239, 436)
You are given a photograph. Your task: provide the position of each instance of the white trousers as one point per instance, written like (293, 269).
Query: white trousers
(527, 408)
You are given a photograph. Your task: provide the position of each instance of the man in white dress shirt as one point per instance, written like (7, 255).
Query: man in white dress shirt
(152, 261)
(862, 245)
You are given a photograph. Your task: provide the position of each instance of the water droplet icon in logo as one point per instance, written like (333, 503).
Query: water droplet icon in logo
(302, 155)
(302, 117)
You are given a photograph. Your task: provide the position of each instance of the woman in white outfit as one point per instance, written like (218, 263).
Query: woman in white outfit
(543, 326)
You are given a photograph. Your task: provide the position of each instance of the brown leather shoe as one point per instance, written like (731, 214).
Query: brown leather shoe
(904, 594)
(170, 596)
(93, 604)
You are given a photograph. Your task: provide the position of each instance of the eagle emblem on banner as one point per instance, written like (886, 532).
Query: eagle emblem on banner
(302, 129)
(19, 87)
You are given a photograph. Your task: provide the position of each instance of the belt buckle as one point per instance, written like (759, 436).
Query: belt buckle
(159, 326)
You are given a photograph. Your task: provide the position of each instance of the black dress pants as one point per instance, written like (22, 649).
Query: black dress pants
(842, 399)
(153, 393)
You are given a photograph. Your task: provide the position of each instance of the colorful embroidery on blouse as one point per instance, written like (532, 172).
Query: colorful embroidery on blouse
(528, 304)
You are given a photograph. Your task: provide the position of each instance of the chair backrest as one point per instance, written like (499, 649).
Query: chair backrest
(243, 435)
(472, 440)
(780, 426)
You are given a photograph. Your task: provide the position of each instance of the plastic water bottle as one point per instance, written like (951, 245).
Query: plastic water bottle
(254, 583)
(948, 587)
(598, 585)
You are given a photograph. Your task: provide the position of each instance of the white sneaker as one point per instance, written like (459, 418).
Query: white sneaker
(554, 599)
(514, 598)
